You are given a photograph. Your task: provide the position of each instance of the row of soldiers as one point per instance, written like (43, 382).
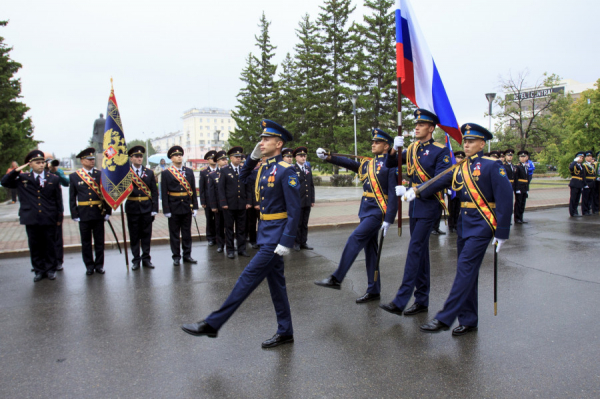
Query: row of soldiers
(584, 184)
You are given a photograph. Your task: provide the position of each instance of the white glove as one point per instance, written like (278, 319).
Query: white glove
(168, 215)
(256, 152)
(154, 213)
(400, 190)
(409, 195)
(575, 160)
(194, 213)
(321, 154)
(518, 192)
(449, 192)
(385, 226)
(587, 187)
(281, 250)
(498, 241)
(398, 142)
(106, 217)
(77, 220)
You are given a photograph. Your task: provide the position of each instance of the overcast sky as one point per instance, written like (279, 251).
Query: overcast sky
(168, 56)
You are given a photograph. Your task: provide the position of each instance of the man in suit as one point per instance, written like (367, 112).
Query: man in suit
(180, 204)
(203, 185)
(576, 184)
(89, 209)
(141, 207)
(233, 201)
(486, 210)
(213, 199)
(307, 197)
(41, 211)
(280, 210)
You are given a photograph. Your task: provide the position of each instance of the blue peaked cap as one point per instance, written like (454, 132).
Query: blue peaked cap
(422, 115)
(474, 131)
(273, 129)
(380, 135)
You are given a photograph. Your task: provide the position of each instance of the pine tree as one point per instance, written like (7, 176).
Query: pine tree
(286, 96)
(16, 130)
(266, 84)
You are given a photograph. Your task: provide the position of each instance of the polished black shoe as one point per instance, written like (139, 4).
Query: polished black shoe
(38, 277)
(391, 307)
(368, 297)
(89, 272)
(230, 255)
(297, 247)
(148, 265)
(434, 326)
(576, 216)
(199, 329)
(190, 260)
(211, 243)
(462, 330)
(100, 271)
(438, 232)
(524, 221)
(329, 282)
(60, 268)
(135, 266)
(176, 262)
(518, 222)
(416, 308)
(219, 250)
(305, 246)
(51, 275)
(244, 253)
(254, 246)
(277, 340)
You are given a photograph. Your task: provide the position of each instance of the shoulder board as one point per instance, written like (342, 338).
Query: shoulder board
(284, 164)
(435, 143)
(491, 159)
(203, 169)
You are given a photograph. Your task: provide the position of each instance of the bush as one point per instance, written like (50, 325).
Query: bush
(341, 180)
(317, 180)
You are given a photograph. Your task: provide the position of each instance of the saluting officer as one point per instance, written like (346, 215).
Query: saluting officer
(590, 184)
(233, 201)
(521, 186)
(454, 203)
(576, 184)
(307, 197)
(141, 207)
(280, 210)
(52, 167)
(213, 199)
(377, 212)
(424, 159)
(486, 210)
(41, 211)
(89, 209)
(203, 188)
(180, 204)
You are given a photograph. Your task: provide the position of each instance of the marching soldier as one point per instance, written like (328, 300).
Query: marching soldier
(41, 211)
(521, 186)
(454, 203)
(280, 210)
(203, 185)
(89, 209)
(180, 204)
(576, 184)
(486, 210)
(424, 159)
(213, 199)
(141, 207)
(307, 197)
(288, 155)
(233, 201)
(589, 188)
(377, 212)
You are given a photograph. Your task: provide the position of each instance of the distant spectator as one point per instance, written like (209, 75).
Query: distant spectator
(13, 191)
(530, 169)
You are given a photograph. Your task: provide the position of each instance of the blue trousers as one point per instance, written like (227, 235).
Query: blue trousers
(264, 264)
(416, 269)
(462, 301)
(363, 237)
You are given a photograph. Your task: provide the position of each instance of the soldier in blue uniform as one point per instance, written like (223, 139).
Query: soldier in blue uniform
(307, 197)
(486, 210)
(180, 204)
(576, 184)
(454, 203)
(141, 207)
(203, 188)
(213, 199)
(89, 209)
(234, 202)
(41, 211)
(596, 194)
(277, 187)
(424, 159)
(377, 211)
(587, 200)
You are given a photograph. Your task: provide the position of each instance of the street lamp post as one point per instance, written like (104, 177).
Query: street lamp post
(490, 97)
(354, 98)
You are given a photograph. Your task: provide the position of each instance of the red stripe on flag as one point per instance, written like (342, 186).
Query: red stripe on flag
(400, 70)
(408, 82)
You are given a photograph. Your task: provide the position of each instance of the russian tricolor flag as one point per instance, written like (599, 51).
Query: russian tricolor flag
(420, 79)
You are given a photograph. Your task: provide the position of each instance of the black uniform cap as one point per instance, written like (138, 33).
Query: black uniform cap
(509, 151)
(235, 151)
(220, 155)
(300, 151)
(210, 156)
(35, 155)
(523, 152)
(287, 151)
(88, 153)
(460, 154)
(138, 149)
(175, 150)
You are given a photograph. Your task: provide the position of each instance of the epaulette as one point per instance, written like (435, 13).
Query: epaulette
(435, 143)
(203, 169)
(284, 164)
(491, 159)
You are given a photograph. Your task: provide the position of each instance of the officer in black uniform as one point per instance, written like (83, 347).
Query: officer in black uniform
(521, 187)
(203, 185)
(307, 197)
(233, 201)
(454, 203)
(52, 167)
(41, 211)
(576, 184)
(590, 184)
(509, 167)
(288, 155)
(180, 204)
(89, 209)
(213, 199)
(141, 207)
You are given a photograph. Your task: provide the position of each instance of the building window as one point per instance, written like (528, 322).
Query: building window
(215, 121)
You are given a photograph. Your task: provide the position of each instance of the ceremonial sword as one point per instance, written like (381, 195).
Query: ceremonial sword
(115, 234)
(330, 154)
(496, 279)
(381, 236)
(198, 229)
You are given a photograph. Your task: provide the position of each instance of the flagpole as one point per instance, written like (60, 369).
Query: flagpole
(124, 237)
(399, 153)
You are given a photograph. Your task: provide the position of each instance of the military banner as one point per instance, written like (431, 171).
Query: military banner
(116, 170)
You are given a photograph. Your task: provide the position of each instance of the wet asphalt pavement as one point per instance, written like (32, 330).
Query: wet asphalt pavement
(118, 335)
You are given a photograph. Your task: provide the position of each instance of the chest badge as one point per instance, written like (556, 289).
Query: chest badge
(426, 152)
(293, 181)
(477, 170)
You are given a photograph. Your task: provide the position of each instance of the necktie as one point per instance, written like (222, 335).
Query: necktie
(37, 180)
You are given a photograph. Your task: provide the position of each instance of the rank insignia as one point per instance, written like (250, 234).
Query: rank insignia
(447, 159)
(502, 172)
(293, 181)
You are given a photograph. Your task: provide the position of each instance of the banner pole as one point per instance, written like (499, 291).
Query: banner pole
(124, 237)
(399, 153)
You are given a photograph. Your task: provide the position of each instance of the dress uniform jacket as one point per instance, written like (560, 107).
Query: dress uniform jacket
(307, 186)
(232, 190)
(522, 185)
(576, 185)
(589, 189)
(204, 201)
(510, 172)
(137, 207)
(371, 217)
(213, 203)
